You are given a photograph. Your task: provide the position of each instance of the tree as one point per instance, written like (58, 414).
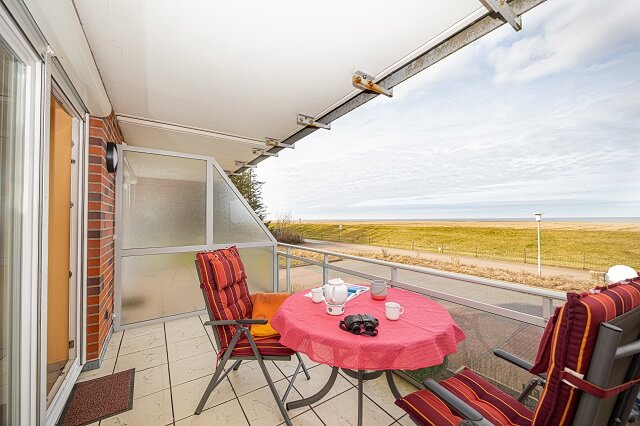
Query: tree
(251, 190)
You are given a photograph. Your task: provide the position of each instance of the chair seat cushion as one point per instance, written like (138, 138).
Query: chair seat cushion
(265, 306)
(494, 405)
(267, 347)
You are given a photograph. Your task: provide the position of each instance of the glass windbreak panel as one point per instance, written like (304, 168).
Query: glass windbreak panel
(12, 97)
(163, 201)
(484, 332)
(158, 286)
(233, 222)
(258, 263)
(502, 297)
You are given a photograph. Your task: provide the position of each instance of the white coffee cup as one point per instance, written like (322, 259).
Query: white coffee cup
(393, 310)
(316, 295)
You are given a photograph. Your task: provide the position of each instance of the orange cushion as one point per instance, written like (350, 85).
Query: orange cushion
(265, 306)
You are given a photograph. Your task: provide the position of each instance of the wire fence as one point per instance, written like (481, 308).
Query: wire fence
(580, 261)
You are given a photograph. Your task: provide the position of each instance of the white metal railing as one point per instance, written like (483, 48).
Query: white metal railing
(547, 297)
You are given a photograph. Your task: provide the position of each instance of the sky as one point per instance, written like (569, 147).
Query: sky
(545, 119)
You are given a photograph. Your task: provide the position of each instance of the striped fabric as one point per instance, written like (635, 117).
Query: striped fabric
(573, 342)
(267, 347)
(494, 405)
(230, 300)
(427, 409)
(226, 267)
(225, 283)
(568, 342)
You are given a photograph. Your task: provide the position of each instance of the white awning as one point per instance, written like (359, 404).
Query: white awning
(219, 78)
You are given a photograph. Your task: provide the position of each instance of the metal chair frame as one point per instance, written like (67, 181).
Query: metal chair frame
(615, 360)
(242, 327)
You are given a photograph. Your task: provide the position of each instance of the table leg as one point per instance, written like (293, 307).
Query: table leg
(392, 384)
(318, 396)
(360, 391)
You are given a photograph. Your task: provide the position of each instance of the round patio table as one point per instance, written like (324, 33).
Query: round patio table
(422, 337)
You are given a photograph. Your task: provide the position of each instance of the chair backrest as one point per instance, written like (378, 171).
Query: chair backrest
(572, 340)
(224, 285)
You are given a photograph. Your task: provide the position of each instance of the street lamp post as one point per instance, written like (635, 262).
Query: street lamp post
(538, 217)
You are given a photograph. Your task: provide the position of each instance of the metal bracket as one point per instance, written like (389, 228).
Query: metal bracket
(276, 142)
(229, 173)
(246, 165)
(257, 151)
(363, 81)
(307, 120)
(503, 9)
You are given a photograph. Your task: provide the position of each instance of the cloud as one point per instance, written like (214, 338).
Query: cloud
(566, 34)
(469, 138)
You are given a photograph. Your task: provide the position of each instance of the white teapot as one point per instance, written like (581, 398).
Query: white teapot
(335, 296)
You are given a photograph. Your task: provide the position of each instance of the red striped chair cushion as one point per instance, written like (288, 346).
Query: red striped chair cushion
(427, 409)
(226, 267)
(494, 405)
(229, 302)
(266, 347)
(572, 345)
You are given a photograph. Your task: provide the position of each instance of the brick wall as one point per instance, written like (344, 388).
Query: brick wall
(100, 270)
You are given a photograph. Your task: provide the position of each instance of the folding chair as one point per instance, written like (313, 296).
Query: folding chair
(588, 362)
(224, 286)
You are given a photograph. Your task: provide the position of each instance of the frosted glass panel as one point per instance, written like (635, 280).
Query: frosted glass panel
(232, 221)
(163, 201)
(159, 285)
(258, 263)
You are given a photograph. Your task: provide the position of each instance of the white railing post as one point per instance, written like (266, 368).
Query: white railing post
(547, 308)
(325, 271)
(288, 262)
(394, 275)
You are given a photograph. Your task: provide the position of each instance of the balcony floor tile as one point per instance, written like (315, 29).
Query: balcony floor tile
(171, 378)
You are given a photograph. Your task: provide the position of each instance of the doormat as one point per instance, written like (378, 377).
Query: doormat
(98, 399)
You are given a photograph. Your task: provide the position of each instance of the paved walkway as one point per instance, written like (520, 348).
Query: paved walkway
(547, 271)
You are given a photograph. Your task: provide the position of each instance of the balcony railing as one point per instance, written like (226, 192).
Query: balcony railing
(493, 314)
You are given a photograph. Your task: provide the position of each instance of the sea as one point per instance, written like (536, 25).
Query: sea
(495, 219)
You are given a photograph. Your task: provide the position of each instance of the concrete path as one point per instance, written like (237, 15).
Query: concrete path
(547, 271)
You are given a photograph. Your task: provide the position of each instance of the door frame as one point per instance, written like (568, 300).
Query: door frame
(52, 409)
(24, 369)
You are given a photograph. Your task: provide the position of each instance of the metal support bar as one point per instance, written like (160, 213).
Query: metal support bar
(362, 81)
(536, 381)
(503, 9)
(275, 143)
(304, 367)
(604, 354)
(325, 271)
(435, 53)
(257, 151)
(392, 385)
(245, 165)
(547, 307)
(360, 395)
(288, 262)
(265, 372)
(318, 396)
(309, 121)
(394, 275)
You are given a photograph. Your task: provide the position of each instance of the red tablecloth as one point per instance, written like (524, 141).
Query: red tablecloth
(422, 337)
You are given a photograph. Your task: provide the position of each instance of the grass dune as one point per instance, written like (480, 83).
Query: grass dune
(589, 246)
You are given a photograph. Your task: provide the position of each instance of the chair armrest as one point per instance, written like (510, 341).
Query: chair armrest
(455, 403)
(247, 321)
(526, 365)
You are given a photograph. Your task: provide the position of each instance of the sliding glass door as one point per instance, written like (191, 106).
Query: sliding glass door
(12, 94)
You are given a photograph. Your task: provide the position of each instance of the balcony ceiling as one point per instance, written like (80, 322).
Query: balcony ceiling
(247, 68)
